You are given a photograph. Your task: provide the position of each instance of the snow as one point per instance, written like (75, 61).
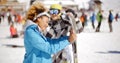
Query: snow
(96, 47)
(9, 54)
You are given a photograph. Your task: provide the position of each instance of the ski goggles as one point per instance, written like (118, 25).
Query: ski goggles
(54, 11)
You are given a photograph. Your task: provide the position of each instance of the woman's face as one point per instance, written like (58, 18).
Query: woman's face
(43, 22)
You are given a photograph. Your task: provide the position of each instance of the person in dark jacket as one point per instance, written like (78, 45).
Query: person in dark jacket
(110, 20)
(93, 20)
(60, 25)
(0, 19)
(38, 47)
(116, 16)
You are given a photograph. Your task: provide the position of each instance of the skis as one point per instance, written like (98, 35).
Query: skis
(74, 27)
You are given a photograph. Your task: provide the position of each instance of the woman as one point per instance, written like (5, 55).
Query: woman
(38, 47)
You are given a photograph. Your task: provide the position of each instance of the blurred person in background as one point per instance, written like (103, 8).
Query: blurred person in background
(9, 19)
(2, 15)
(83, 19)
(38, 47)
(93, 19)
(0, 18)
(13, 31)
(19, 18)
(116, 16)
(110, 20)
(99, 19)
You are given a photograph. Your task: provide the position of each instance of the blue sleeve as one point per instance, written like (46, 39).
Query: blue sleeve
(49, 46)
(58, 44)
(37, 41)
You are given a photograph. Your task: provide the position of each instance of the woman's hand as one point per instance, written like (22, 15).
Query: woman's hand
(72, 36)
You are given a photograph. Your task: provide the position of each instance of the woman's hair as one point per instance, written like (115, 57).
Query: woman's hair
(36, 8)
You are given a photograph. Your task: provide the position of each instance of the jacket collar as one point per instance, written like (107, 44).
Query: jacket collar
(29, 23)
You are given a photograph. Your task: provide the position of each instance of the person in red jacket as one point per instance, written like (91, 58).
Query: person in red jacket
(13, 31)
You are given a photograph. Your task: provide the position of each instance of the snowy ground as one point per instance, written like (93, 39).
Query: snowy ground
(99, 47)
(93, 47)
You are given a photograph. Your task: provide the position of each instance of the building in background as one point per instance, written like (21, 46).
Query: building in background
(64, 3)
(12, 5)
(23, 5)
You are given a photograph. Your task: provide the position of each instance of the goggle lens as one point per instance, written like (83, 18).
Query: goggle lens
(54, 11)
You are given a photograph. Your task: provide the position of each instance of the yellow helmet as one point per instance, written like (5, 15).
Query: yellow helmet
(56, 6)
